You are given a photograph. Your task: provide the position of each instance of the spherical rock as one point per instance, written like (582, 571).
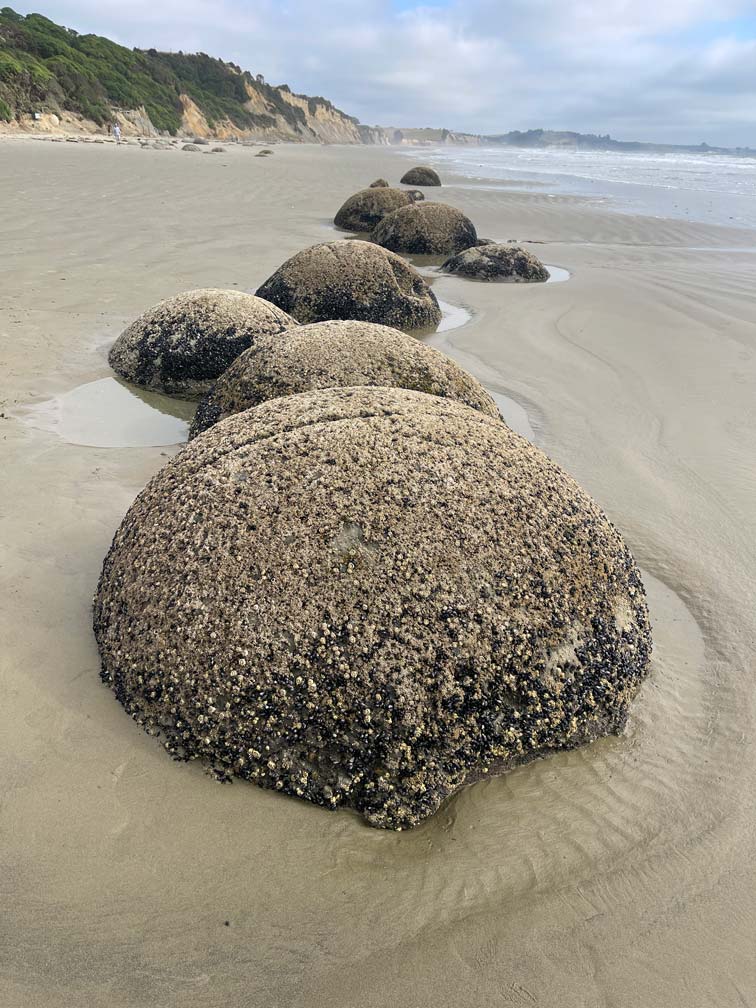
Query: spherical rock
(366, 208)
(422, 176)
(181, 345)
(369, 598)
(350, 279)
(497, 262)
(190, 147)
(425, 228)
(336, 353)
(380, 183)
(218, 150)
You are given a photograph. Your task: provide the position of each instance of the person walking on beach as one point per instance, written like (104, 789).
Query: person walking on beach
(117, 132)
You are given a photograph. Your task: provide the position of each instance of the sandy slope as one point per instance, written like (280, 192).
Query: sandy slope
(622, 875)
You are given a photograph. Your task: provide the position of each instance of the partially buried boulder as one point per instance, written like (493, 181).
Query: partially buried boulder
(337, 353)
(190, 147)
(497, 262)
(422, 176)
(369, 598)
(425, 228)
(181, 345)
(350, 279)
(366, 208)
(380, 183)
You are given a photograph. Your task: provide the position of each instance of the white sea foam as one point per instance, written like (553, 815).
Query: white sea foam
(715, 188)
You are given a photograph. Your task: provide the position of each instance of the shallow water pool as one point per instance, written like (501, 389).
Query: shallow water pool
(108, 413)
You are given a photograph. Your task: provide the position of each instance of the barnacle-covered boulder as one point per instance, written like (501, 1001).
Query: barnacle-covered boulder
(181, 345)
(425, 228)
(329, 354)
(422, 175)
(368, 598)
(497, 262)
(352, 279)
(366, 208)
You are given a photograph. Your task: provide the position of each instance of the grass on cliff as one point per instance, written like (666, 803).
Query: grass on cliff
(46, 67)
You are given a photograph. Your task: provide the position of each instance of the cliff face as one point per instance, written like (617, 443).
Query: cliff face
(426, 136)
(53, 78)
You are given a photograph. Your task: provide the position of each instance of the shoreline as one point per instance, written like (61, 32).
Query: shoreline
(619, 873)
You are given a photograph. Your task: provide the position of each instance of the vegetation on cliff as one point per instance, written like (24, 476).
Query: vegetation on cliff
(45, 67)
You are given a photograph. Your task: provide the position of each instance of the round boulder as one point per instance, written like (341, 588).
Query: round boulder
(369, 598)
(351, 279)
(366, 208)
(425, 228)
(380, 183)
(422, 176)
(497, 262)
(190, 147)
(337, 353)
(181, 345)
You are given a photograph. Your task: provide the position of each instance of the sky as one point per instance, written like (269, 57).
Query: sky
(677, 71)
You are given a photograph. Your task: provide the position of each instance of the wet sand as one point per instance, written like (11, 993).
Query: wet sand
(619, 875)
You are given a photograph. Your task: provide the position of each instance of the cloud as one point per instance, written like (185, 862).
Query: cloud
(635, 68)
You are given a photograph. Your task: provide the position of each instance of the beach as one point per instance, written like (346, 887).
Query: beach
(621, 874)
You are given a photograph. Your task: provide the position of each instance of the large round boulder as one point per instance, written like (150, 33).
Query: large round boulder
(366, 208)
(422, 176)
(497, 262)
(368, 598)
(181, 345)
(352, 279)
(336, 353)
(425, 228)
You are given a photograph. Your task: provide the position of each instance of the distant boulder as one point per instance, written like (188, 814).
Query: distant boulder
(422, 176)
(367, 207)
(218, 150)
(425, 229)
(380, 183)
(497, 262)
(181, 345)
(331, 354)
(191, 147)
(351, 279)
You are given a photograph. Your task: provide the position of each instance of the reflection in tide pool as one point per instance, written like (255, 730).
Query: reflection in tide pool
(557, 274)
(110, 414)
(452, 316)
(514, 415)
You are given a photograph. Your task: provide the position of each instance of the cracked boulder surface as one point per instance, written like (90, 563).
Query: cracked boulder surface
(361, 212)
(425, 229)
(493, 261)
(369, 598)
(422, 175)
(352, 279)
(181, 345)
(336, 353)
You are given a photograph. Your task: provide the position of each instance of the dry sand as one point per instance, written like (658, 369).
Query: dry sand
(620, 875)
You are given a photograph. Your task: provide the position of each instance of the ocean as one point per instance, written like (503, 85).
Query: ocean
(710, 188)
